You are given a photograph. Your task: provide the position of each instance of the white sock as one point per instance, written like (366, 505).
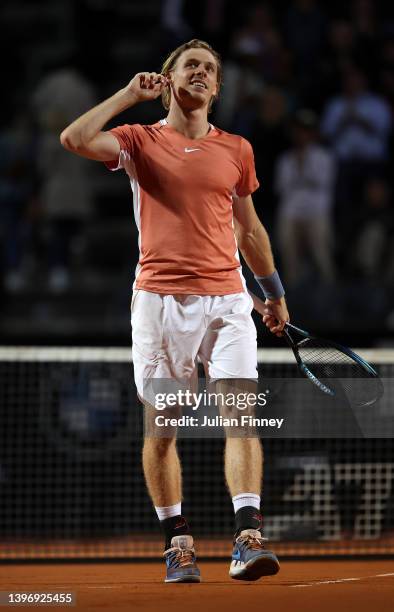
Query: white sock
(246, 499)
(164, 512)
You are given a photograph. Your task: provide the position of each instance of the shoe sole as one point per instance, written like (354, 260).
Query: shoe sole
(256, 568)
(184, 579)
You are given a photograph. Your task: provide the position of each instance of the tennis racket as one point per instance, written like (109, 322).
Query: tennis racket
(334, 369)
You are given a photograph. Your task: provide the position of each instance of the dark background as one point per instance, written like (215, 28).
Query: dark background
(68, 240)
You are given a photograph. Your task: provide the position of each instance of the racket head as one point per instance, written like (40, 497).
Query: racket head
(335, 368)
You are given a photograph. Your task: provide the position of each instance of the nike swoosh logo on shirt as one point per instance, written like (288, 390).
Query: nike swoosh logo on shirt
(187, 150)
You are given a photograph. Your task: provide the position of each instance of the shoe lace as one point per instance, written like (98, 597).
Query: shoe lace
(181, 556)
(252, 541)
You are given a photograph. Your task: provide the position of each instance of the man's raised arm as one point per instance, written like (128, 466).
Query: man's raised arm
(85, 136)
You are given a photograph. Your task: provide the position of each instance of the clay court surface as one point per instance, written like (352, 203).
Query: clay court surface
(300, 585)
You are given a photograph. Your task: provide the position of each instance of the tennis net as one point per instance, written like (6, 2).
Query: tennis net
(71, 482)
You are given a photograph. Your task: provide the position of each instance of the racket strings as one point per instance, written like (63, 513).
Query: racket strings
(346, 376)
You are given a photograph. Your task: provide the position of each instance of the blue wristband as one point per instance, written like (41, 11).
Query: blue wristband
(271, 286)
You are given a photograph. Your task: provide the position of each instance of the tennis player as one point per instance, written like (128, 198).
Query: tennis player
(192, 184)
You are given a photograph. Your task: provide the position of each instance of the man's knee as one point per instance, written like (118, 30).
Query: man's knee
(237, 397)
(159, 446)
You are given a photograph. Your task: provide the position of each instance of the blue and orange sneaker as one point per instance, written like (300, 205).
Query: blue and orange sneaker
(181, 560)
(250, 559)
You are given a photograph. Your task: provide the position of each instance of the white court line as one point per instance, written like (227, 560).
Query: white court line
(309, 584)
(102, 587)
(70, 588)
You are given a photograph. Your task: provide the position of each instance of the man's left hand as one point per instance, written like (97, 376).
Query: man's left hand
(276, 315)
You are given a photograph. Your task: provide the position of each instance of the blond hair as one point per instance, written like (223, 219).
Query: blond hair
(172, 59)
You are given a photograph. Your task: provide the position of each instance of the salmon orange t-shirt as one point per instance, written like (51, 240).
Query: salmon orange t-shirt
(183, 192)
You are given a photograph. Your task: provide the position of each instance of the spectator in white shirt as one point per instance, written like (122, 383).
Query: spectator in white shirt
(67, 195)
(305, 181)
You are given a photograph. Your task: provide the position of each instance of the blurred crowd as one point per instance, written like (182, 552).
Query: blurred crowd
(309, 83)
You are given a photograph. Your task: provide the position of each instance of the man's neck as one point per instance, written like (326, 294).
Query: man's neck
(192, 124)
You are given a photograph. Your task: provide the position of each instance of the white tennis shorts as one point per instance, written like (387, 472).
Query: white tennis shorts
(170, 333)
